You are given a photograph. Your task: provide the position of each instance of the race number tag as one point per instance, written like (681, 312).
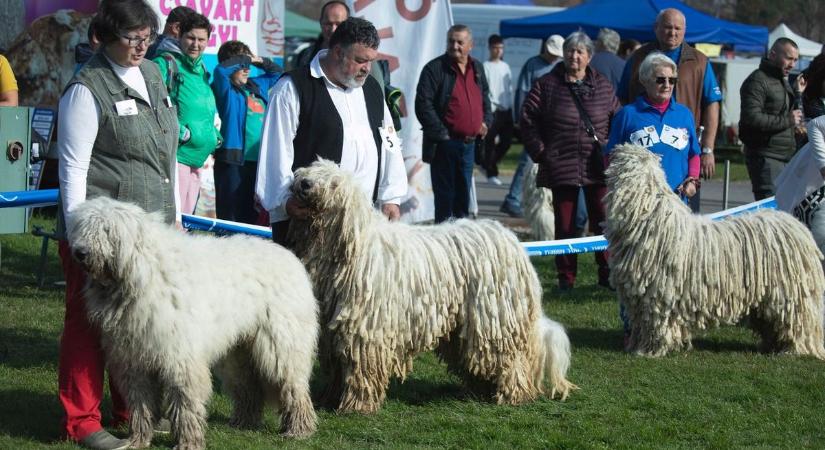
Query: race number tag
(646, 137)
(675, 137)
(390, 139)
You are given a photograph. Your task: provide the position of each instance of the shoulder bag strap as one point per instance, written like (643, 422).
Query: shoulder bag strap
(588, 125)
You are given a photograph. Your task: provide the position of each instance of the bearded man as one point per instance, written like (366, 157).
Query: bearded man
(334, 110)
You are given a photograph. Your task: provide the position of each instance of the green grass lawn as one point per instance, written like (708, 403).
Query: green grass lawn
(721, 395)
(738, 172)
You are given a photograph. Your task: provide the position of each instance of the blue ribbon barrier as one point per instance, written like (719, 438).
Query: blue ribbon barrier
(29, 199)
(588, 244)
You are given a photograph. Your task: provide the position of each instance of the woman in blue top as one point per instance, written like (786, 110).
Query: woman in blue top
(241, 102)
(655, 121)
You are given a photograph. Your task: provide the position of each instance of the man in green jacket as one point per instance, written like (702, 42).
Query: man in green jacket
(188, 83)
(768, 117)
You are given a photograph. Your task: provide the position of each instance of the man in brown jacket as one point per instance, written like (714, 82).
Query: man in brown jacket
(697, 87)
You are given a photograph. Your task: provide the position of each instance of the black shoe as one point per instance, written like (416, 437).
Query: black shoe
(565, 287)
(605, 283)
(510, 210)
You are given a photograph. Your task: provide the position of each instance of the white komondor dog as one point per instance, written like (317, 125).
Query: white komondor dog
(538, 206)
(679, 273)
(169, 305)
(390, 291)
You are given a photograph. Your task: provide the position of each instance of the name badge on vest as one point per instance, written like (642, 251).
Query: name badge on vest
(126, 108)
(390, 139)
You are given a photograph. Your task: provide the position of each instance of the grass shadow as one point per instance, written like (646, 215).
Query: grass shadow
(30, 415)
(596, 339)
(27, 347)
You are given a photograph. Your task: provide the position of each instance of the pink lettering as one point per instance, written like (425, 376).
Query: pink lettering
(361, 4)
(164, 8)
(416, 15)
(220, 10)
(385, 33)
(206, 7)
(227, 32)
(191, 4)
(235, 10)
(249, 4)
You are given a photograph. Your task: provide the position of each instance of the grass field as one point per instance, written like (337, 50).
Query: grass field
(721, 395)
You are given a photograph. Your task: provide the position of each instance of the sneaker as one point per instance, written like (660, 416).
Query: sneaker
(103, 440)
(494, 180)
(510, 210)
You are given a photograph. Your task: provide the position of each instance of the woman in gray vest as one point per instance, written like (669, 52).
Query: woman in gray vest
(117, 137)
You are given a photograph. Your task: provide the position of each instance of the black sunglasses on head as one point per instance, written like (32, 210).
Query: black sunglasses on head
(661, 80)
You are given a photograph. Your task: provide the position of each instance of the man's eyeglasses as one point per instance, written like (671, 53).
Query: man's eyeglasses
(672, 80)
(136, 40)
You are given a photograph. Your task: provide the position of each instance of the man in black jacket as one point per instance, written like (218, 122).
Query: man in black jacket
(453, 105)
(768, 117)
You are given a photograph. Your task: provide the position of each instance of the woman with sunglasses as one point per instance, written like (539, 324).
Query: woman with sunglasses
(655, 121)
(117, 138)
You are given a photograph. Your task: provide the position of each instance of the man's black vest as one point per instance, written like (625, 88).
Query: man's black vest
(320, 130)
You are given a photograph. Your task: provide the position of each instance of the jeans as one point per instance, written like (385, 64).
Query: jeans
(235, 191)
(451, 171)
(763, 172)
(513, 198)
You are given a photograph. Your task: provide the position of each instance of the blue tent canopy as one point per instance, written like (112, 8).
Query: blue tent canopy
(635, 19)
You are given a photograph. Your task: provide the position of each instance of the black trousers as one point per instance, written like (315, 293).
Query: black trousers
(503, 128)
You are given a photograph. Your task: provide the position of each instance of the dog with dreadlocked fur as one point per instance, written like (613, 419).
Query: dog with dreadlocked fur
(538, 206)
(389, 291)
(679, 274)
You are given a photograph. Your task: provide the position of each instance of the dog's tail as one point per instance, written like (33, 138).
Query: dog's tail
(555, 353)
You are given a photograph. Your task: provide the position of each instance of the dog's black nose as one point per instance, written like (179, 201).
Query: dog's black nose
(305, 185)
(79, 254)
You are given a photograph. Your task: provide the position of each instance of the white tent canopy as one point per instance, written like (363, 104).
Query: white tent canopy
(807, 47)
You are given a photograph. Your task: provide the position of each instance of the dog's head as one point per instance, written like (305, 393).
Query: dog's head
(324, 187)
(635, 167)
(101, 232)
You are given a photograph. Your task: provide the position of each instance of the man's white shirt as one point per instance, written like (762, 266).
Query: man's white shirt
(358, 156)
(500, 82)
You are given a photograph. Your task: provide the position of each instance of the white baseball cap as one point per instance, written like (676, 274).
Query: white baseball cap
(553, 45)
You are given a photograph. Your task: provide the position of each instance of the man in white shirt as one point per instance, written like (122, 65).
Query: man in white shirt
(331, 109)
(500, 81)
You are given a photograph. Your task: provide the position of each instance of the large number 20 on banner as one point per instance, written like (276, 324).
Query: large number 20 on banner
(257, 23)
(412, 33)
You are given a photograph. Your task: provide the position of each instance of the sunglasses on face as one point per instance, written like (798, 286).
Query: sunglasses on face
(672, 80)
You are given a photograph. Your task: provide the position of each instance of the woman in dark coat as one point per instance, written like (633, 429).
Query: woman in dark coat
(567, 146)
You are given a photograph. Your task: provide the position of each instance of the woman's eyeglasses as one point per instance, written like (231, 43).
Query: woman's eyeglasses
(136, 40)
(672, 80)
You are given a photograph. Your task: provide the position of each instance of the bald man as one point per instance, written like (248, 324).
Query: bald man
(333, 13)
(697, 87)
